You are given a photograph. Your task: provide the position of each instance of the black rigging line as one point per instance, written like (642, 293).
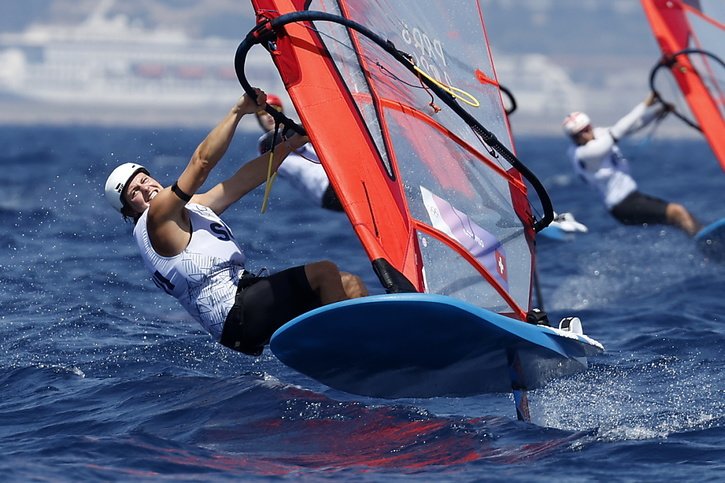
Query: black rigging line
(670, 62)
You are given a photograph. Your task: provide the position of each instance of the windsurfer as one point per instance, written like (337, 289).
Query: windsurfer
(598, 160)
(302, 167)
(194, 256)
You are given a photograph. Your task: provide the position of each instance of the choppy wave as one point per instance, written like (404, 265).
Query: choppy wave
(105, 378)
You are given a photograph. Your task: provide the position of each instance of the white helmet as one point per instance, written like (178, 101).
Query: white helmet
(117, 180)
(575, 122)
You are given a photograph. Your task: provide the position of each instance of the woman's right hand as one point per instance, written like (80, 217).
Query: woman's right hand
(248, 105)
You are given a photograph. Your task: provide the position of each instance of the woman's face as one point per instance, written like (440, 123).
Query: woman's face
(140, 191)
(585, 135)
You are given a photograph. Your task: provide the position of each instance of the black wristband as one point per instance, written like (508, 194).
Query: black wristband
(177, 191)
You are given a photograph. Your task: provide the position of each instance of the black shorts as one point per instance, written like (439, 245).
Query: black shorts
(263, 305)
(638, 208)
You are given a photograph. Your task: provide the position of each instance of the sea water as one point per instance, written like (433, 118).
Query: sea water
(104, 377)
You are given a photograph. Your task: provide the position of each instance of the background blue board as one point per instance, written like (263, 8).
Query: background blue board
(711, 239)
(553, 232)
(423, 345)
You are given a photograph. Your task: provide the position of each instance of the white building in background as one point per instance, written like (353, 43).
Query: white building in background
(112, 62)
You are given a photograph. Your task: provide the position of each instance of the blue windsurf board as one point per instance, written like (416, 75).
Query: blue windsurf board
(564, 227)
(425, 345)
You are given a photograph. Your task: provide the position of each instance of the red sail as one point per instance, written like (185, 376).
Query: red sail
(692, 25)
(422, 191)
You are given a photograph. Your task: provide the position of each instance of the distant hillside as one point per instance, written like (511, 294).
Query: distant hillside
(560, 28)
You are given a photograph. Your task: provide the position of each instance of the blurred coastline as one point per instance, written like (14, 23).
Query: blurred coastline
(111, 68)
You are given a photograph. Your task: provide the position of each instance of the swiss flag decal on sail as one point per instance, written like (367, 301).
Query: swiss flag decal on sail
(479, 242)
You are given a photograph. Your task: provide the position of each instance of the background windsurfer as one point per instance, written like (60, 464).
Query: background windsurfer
(598, 160)
(194, 256)
(302, 167)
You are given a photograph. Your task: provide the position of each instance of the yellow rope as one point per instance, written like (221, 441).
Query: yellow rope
(270, 179)
(454, 91)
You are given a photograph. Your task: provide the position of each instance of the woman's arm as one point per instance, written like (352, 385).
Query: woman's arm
(168, 223)
(248, 177)
(639, 117)
(215, 145)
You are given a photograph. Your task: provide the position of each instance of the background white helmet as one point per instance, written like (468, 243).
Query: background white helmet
(117, 181)
(575, 122)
